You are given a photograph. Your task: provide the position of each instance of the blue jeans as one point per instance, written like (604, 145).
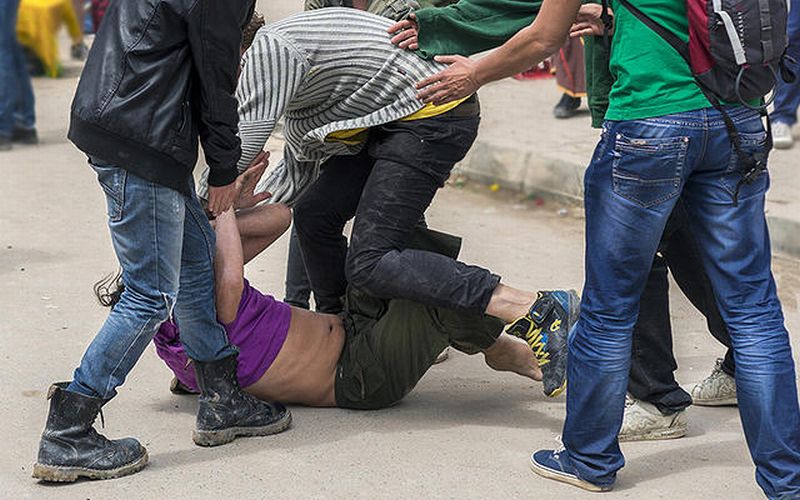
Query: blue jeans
(638, 171)
(16, 92)
(165, 246)
(787, 95)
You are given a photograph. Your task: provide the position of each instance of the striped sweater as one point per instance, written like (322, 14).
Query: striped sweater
(322, 71)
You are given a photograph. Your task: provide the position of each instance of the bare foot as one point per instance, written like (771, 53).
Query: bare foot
(510, 354)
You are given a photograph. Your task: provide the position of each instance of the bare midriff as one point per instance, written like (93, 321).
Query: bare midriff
(305, 370)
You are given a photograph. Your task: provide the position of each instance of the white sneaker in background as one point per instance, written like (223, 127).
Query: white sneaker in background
(782, 135)
(718, 389)
(645, 422)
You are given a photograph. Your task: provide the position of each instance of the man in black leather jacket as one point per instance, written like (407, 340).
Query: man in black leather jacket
(160, 74)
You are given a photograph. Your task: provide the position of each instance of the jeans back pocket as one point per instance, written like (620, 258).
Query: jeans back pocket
(751, 144)
(112, 180)
(648, 171)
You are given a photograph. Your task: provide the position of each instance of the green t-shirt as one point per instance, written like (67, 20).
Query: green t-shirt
(651, 78)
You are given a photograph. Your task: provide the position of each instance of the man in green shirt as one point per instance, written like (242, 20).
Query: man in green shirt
(661, 140)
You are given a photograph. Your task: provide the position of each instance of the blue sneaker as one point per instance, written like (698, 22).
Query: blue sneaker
(551, 464)
(546, 329)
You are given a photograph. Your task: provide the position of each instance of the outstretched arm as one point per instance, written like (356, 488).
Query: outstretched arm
(228, 267)
(241, 236)
(525, 49)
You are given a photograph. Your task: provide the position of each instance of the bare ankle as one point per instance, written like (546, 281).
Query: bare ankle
(509, 303)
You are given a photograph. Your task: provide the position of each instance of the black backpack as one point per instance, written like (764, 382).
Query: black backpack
(737, 52)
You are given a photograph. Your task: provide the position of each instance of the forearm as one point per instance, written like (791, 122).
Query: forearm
(214, 33)
(531, 45)
(228, 267)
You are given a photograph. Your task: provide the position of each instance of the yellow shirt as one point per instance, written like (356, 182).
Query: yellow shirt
(356, 136)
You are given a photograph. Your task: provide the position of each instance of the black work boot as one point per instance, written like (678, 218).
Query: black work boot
(71, 448)
(226, 412)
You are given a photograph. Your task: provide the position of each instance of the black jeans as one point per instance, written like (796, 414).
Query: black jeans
(388, 187)
(652, 361)
(298, 289)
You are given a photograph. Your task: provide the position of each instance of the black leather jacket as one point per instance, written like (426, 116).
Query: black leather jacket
(160, 73)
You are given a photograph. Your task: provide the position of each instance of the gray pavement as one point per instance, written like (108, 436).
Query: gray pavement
(465, 432)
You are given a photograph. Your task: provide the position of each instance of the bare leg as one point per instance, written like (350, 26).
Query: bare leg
(510, 354)
(509, 304)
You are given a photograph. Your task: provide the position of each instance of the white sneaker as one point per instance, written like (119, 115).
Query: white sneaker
(782, 135)
(442, 357)
(718, 389)
(645, 422)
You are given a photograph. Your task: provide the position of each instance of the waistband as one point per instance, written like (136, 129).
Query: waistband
(701, 118)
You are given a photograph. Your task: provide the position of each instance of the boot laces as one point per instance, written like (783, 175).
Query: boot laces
(538, 344)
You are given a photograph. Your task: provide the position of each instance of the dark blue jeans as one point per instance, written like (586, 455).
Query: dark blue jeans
(653, 364)
(638, 171)
(787, 95)
(16, 93)
(165, 246)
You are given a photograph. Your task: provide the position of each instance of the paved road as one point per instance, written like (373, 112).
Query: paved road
(465, 432)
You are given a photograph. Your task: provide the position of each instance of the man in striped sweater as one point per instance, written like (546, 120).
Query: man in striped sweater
(298, 285)
(345, 91)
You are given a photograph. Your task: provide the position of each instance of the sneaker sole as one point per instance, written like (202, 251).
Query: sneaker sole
(566, 478)
(715, 402)
(659, 435)
(57, 474)
(557, 392)
(217, 438)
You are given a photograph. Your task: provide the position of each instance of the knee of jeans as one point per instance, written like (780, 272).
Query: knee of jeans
(608, 347)
(762, 351)
(155, 304)
(359, 268)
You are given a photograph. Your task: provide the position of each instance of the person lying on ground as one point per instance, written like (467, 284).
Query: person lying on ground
(369, 357)
(344, 89)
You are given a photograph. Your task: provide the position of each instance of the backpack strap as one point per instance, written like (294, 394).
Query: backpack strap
(671, 38)
(751, 166)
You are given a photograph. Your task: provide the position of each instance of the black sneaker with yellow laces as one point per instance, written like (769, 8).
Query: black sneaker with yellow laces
(546, 329)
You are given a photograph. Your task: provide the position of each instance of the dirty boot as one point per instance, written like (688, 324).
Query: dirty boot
(226, 412)
(71, 448)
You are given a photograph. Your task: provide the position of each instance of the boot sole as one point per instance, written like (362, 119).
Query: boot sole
(655, 435)
(566, 478)
(58, 474)
(217, 438)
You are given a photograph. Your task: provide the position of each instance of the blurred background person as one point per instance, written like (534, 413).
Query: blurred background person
(17, 115)
(787, 95)
(570, 78)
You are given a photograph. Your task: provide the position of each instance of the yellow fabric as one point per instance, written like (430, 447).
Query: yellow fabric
(38, 24)
(351, 137)
(355, 136)
(430, 110)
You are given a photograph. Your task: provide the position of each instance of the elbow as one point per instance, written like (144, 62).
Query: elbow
(550, 46)
(283, 217)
